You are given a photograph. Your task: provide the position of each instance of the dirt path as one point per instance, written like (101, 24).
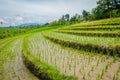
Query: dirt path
(14, 68)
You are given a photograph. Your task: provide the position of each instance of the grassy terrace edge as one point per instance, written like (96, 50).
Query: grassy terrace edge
(113, 51)
(40, 69)
(107, 27)
(102, 22)
(99, 34)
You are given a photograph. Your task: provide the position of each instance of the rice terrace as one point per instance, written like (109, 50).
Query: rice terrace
(80, 47)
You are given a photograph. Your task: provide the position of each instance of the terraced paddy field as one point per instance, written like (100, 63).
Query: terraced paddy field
(91, 52)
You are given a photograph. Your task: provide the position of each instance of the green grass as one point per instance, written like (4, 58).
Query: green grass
(11, 32)
(92, 31)
(101, 28)
(43, 53)
(5, 53)
(110, 21)
(103, 41)
(115, 33)
(41, 69)
(16, 31)
(93, 44)
(59, 56)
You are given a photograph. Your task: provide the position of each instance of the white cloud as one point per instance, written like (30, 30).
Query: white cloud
(19, 18)
(41, 10)
(1, 20)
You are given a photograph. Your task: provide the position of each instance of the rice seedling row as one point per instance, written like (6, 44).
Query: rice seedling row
(4, 51)
(90, 33)
(75, 59)
(109, 28)
(69, 61)
(112, 21)
(11, 67)
(92, 44)
(38, 64)
(99, 31)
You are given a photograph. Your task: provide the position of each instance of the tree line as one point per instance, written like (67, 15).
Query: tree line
(104, 9)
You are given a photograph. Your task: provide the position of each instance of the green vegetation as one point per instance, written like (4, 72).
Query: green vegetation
(35, 63)
(93, 44)
(11, 31)
(65, 49)
(43, 53)
(103, 33)
(100, 28)
(111, 23)
(51, 54)
(103, 41)
(6, 53)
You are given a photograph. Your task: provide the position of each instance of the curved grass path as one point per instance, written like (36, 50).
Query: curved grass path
(11, 64)
(11, 60)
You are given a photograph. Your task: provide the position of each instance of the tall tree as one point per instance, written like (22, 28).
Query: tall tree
(85, 14)
(67, 16)
(62, 20)
(107, 9)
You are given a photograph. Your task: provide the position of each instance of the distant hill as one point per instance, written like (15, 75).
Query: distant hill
(29, 24)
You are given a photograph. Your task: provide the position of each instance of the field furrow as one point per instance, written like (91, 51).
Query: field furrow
(89, 50)
(103, 22)
(13, 68)
(67, 60)
(93, 44)
(91, 33)
(89, 28)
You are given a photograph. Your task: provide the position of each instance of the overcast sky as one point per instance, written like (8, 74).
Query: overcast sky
(14, 12)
